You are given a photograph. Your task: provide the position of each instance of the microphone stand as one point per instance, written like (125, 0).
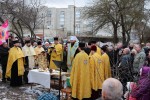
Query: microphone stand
(59, 65)
(60, 82)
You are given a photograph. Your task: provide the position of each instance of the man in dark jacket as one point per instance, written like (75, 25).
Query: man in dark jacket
(118, 52)
(125, 67)
(4, 57)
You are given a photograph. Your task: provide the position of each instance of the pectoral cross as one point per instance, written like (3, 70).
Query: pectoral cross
(99, 61)
(85, 61)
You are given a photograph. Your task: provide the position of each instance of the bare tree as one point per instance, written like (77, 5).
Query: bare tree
(104, 12)
(21, 16)
(122, 14)
(143, 27)
(131, 12)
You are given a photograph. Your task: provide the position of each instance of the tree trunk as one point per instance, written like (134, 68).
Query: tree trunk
(115, 34)
(31, 30)
(128, 38)
(124, 37)
(142, 38)
(20, 27)
(17, 30)
(123, 29)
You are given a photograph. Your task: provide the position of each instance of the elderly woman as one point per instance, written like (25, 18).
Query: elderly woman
(142, 92)
(112, 89)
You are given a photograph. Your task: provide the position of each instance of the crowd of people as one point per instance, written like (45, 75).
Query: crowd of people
(95, 71)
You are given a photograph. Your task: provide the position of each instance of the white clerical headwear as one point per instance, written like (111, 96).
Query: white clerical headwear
(73, 38)
(46, 43)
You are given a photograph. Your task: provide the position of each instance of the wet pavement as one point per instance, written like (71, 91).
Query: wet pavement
(23, 92)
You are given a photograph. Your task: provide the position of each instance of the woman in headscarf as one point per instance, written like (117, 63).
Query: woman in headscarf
(142, 92)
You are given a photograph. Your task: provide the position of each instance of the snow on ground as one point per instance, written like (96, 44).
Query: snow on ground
(23, 92)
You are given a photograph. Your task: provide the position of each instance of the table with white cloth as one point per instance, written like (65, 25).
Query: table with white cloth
(44, 78)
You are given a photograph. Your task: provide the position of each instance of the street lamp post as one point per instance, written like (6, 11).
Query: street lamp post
(23, 5)
(74, 26)
(43, 25)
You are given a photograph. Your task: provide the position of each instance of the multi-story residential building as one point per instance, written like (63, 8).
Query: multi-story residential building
(60, 22)
(63, 21)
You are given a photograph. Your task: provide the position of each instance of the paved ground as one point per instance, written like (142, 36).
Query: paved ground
(24, 92)
(20, 93)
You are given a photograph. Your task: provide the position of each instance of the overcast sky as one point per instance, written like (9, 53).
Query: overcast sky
(65, 3)
(147, 5)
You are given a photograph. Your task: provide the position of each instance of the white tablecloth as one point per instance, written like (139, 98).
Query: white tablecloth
(42, 78)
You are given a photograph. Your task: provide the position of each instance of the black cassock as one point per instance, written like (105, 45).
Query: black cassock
(25, 77)
(15, 79)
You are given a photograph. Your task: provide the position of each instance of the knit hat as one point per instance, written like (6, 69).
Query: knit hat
(94, 48)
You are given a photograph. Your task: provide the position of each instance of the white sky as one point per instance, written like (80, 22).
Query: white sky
(65, 3)
(147, 5)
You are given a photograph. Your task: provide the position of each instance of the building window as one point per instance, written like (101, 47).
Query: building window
(78, 15)
(62, 19)
(48, 23)
(49, 14)
(62, 13)
(77, 29)
(62, 26)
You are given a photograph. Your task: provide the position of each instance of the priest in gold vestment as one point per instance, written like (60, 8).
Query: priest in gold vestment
(15, 65)
(42, 60)
(39, 48)
(80, 75)
(72, 50)
(55, 53)
(29, 62)
(29, 54)
(96, 72)
(105, 57)
(98, 50)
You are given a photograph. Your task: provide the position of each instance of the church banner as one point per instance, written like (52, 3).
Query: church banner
(4, 32)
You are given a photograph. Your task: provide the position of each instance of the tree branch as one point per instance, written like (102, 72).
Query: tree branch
(20, 26)
(13, 23)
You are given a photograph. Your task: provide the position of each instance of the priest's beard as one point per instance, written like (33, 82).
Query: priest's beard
(28, 45)
(72, 44)
(16, 45)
